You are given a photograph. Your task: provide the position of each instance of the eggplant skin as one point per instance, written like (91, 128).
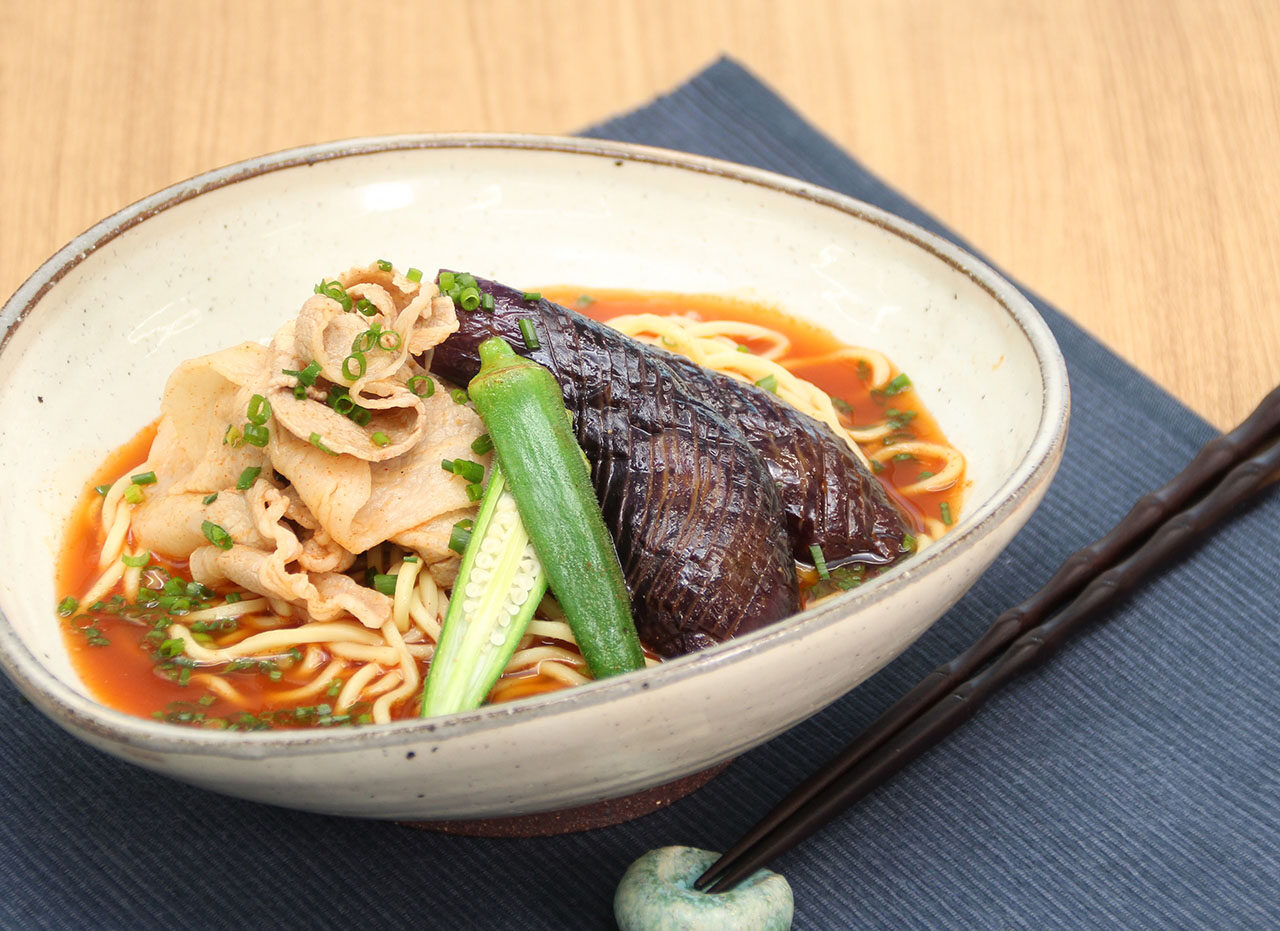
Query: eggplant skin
(695, 515)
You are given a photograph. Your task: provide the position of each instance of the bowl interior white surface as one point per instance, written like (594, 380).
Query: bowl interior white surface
(230, 256)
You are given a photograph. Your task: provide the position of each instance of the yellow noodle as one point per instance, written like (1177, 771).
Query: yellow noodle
(946, 475)
(105, 583)
(220, 687)
(409, 669)
(224, 611)
(406, 581)
(113, 546)
(354, 685)
(561, 673)
(365, 653)
(132, 575)
(523, 659)
(553, 630)
(313, 688)
(383, 685)
(274, 642)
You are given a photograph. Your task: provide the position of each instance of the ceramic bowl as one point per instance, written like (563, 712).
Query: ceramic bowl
(90, 339)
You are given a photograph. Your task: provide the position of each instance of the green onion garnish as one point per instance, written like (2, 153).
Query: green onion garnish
(482, 444)
(460, 536)
(908, 543)
(209, 499)
(136, 562)
(133, 494)
(471, 471)
(389, 340)
(877, 466)
(945, 510)
(585, 300)
(421, 385)
(172, 647)
(361, 416)
(380, 439)
(531, 295)
(248, 477)
(414, 274)
(446, 281)
(819, 561)
(769, 383)
(411, 558)
(470, 298)
(316, 440)
(459, 396)
(385, 583)
(365, 306)
(259, 410)
(842, 406)
(897, 386)
(475, 491)
(308, 375)
(384, 265)
(67, 606)
(353, 366)
(923, 475)
(233, 598)
(216, 535)
(342, 403)
(447, 465)
(102, 489)
(366, 340)
(143, 478)
(334, 291)
(486, 301)
(903, 457)
(742, 348)
(256, 435)
(529, 333)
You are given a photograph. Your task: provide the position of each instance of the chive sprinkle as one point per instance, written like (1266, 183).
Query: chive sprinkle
(459, 396)
(259, 410)
(414, 274)
(475, 491)
(380, 439)
(102, 489)
(248, 477)
(336, 292)
(471, 471)
(256, 435)
(482, 444)
(308, 375)
(529, 333)
(366, 307)
(385, 583)
(384, 265)
(232, 598)
(531, 295)
(769, 383)
(819, 561)
(389, 340)
(897, 386)
(67, 606)
(353, 366)
(209, 499)
(446, 464)
(421, 385)
(923, 475)
(585, 300)
(143, 478)
(470, 298)
(446, 281)
(216, 535)
(945, 510)
(133, 494)
(486, 301)
(460, 536)
(316, 440)
(136, 562)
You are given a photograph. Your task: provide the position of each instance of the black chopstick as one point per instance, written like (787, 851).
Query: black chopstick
(944, 699)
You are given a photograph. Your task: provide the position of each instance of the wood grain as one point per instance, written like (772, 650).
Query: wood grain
(1119, 158)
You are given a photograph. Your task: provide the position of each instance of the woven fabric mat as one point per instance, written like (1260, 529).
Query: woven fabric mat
(1134, 781)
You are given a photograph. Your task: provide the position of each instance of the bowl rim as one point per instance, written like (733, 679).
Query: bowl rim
(83, 714)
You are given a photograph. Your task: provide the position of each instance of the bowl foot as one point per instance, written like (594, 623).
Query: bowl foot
(580, 818)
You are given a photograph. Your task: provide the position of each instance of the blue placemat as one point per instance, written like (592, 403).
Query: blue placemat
(1133, 782)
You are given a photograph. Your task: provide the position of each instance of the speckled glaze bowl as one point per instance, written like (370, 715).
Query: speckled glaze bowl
(90, 338)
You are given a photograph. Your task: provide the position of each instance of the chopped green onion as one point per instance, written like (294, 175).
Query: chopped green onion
(316, 440)
(903, 457)
(366, 340)
(136, 562)
(482, 444)
(300, 391)
(486, 301)
(361, 416)
(842, 406)
(923, 475)
(908, 543)
(233, 598)
(380, 439)
(742, 348)
(475, 491)
(411, 558)
(209, 499)
(769, 383)
(366, 307)
(384, 265)
(459, 395)
(447, 465)
(385, 583)
(216, 535)
(877, 466)
(897, 386)
(336, 292)
(172, 647)
(248, 477)
(259, 410)
(945, 510)
(421, 385)
(308, 375)
(531, 295)
(529, 333)
(133, 494)
(143, 478)
(352, 371)
(256, 435)
(391, 335)
(67, 606)
(470, 298)
(446, 281)
(102, 489)
(819, 561)
(471, 471)
(460, 536)
(585, 300)
(233, 436)
(414, 274)
(342, 403)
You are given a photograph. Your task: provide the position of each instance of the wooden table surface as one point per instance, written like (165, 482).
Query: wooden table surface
(1118, 156)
